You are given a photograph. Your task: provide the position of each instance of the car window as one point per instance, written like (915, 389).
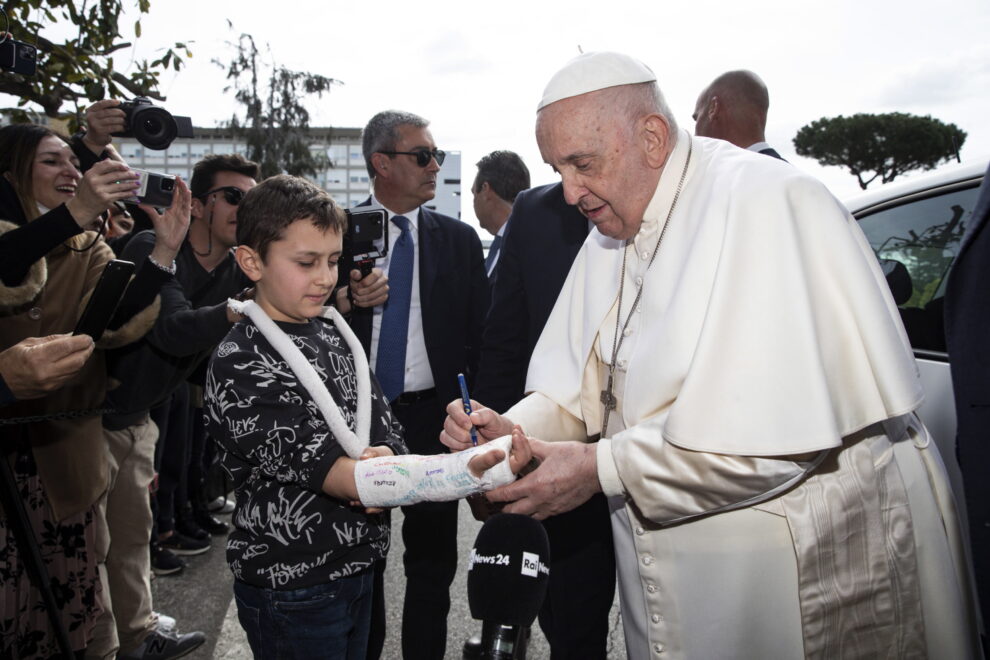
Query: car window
(916, 243)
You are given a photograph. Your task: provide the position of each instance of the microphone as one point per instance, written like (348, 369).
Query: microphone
(507, 580)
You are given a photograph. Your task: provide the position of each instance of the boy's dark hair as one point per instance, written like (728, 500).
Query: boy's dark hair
(277, 202)
(206, 170)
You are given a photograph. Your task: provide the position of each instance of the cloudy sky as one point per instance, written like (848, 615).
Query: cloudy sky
(477, 69)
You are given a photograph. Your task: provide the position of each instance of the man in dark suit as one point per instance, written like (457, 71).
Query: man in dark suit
(967, 329)
(734, 108)
(501, 176)
(542, 238)
(427, 332)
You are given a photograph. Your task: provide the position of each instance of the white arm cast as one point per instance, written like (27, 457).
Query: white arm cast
(390, 481)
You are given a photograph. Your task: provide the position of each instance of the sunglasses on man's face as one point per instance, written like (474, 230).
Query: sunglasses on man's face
(230, 193)
(423, 156)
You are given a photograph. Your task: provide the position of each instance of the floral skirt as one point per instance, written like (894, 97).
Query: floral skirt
(67, 548)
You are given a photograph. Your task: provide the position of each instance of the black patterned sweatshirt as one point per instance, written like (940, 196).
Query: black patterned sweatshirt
(278, 449)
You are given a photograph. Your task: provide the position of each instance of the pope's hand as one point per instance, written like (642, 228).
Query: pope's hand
(456, 432)
(567, 478)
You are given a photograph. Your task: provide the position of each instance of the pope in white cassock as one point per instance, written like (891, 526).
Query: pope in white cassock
(726, 363)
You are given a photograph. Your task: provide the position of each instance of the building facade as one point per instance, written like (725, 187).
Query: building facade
(346, 180)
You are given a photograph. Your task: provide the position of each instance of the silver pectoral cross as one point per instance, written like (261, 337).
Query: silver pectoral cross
(607, 398)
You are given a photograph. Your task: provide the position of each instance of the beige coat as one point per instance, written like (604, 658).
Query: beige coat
(70, 453)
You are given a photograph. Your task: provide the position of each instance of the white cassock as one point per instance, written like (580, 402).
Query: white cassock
(773, 494)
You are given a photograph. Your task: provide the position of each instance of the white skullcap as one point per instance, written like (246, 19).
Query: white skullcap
(589, 72)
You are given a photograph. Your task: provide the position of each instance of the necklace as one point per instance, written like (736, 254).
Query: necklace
(607, 396)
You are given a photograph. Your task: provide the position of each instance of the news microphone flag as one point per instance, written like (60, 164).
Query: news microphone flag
(508, 570)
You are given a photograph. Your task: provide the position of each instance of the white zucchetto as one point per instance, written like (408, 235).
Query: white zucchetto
(590, 72)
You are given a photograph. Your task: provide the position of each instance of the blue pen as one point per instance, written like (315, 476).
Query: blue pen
(466, 398)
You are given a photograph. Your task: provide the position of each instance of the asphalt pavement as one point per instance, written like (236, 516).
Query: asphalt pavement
(200, 598)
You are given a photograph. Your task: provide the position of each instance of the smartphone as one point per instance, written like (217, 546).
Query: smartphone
(106, 296)
(156, 189)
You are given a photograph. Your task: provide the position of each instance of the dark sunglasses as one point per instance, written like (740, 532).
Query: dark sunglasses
(423, 156)
(230, 193)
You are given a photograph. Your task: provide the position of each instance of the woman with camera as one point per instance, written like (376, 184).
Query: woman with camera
(49, 266)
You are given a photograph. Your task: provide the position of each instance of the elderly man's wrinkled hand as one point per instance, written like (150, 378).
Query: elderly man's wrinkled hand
(567, 478)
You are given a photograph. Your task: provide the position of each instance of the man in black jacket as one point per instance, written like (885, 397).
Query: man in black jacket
(967, 322)
(542, 238)
(427, 332)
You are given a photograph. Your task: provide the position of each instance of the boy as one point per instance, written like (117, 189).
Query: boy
(292, 403)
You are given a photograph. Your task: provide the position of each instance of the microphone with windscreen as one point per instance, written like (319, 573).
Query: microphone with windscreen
(507, 580)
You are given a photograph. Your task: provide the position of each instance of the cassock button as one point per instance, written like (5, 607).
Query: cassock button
(655, 618)
(647, 560)
(622, 364)
(34, 313)
(645, 255)
(627, 332)
(640, 531)
(658, 648)
(652, 588)
(639, 281)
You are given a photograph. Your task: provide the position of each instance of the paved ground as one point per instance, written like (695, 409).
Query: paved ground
(200, 599)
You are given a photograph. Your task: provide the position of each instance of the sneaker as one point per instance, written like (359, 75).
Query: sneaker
(181, 544)
(187, 526)
(164, 562)
(165, 645)
(164, 622)
(221, 505)
(210, 523)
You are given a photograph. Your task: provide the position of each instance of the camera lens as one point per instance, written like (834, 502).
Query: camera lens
(154, 127)
(168, 185)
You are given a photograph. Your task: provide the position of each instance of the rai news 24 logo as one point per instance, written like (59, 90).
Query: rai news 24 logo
(531, 565)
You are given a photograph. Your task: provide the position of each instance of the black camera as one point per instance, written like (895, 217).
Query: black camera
(365, 227)
(156, 190)
(152, 125)
(18, 57)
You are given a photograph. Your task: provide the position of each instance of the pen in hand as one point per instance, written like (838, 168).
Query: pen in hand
(466, 399)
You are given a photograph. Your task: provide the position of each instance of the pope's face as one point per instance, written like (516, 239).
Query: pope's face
(592, 145)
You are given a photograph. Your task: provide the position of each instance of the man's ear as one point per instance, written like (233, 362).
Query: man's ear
(656, 140)
(249, 261)
(714, 107)
(380, 162)
(197, 209)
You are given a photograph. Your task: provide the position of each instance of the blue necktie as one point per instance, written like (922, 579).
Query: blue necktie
(492, 253)
(390, 366)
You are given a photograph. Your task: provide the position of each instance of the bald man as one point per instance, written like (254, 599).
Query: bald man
(734, 108)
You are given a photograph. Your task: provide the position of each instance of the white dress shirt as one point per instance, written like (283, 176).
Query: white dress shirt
(418, 375)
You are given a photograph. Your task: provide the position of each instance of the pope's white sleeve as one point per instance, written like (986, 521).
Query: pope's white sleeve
(391, 481)
(670, 484)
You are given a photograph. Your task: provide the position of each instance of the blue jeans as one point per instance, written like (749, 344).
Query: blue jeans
(324, 621)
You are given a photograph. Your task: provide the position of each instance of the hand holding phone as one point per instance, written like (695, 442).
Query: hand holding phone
(106, 296)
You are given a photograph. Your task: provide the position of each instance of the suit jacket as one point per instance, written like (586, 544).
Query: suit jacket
(967, 330)
(541, 240)
(770, 151)
(453, 291)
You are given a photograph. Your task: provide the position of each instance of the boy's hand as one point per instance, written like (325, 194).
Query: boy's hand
(519, 455)
(373, 452)
(489, 424)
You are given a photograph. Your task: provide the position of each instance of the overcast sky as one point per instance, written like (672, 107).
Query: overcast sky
(477, 69)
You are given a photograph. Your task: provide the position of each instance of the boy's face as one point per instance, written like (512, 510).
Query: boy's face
(296, 278)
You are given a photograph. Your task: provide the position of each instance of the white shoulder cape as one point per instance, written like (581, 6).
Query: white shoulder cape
(769, 326)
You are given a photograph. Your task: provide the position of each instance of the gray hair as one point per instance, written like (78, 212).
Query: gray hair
(645, 98)
(382, 133)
